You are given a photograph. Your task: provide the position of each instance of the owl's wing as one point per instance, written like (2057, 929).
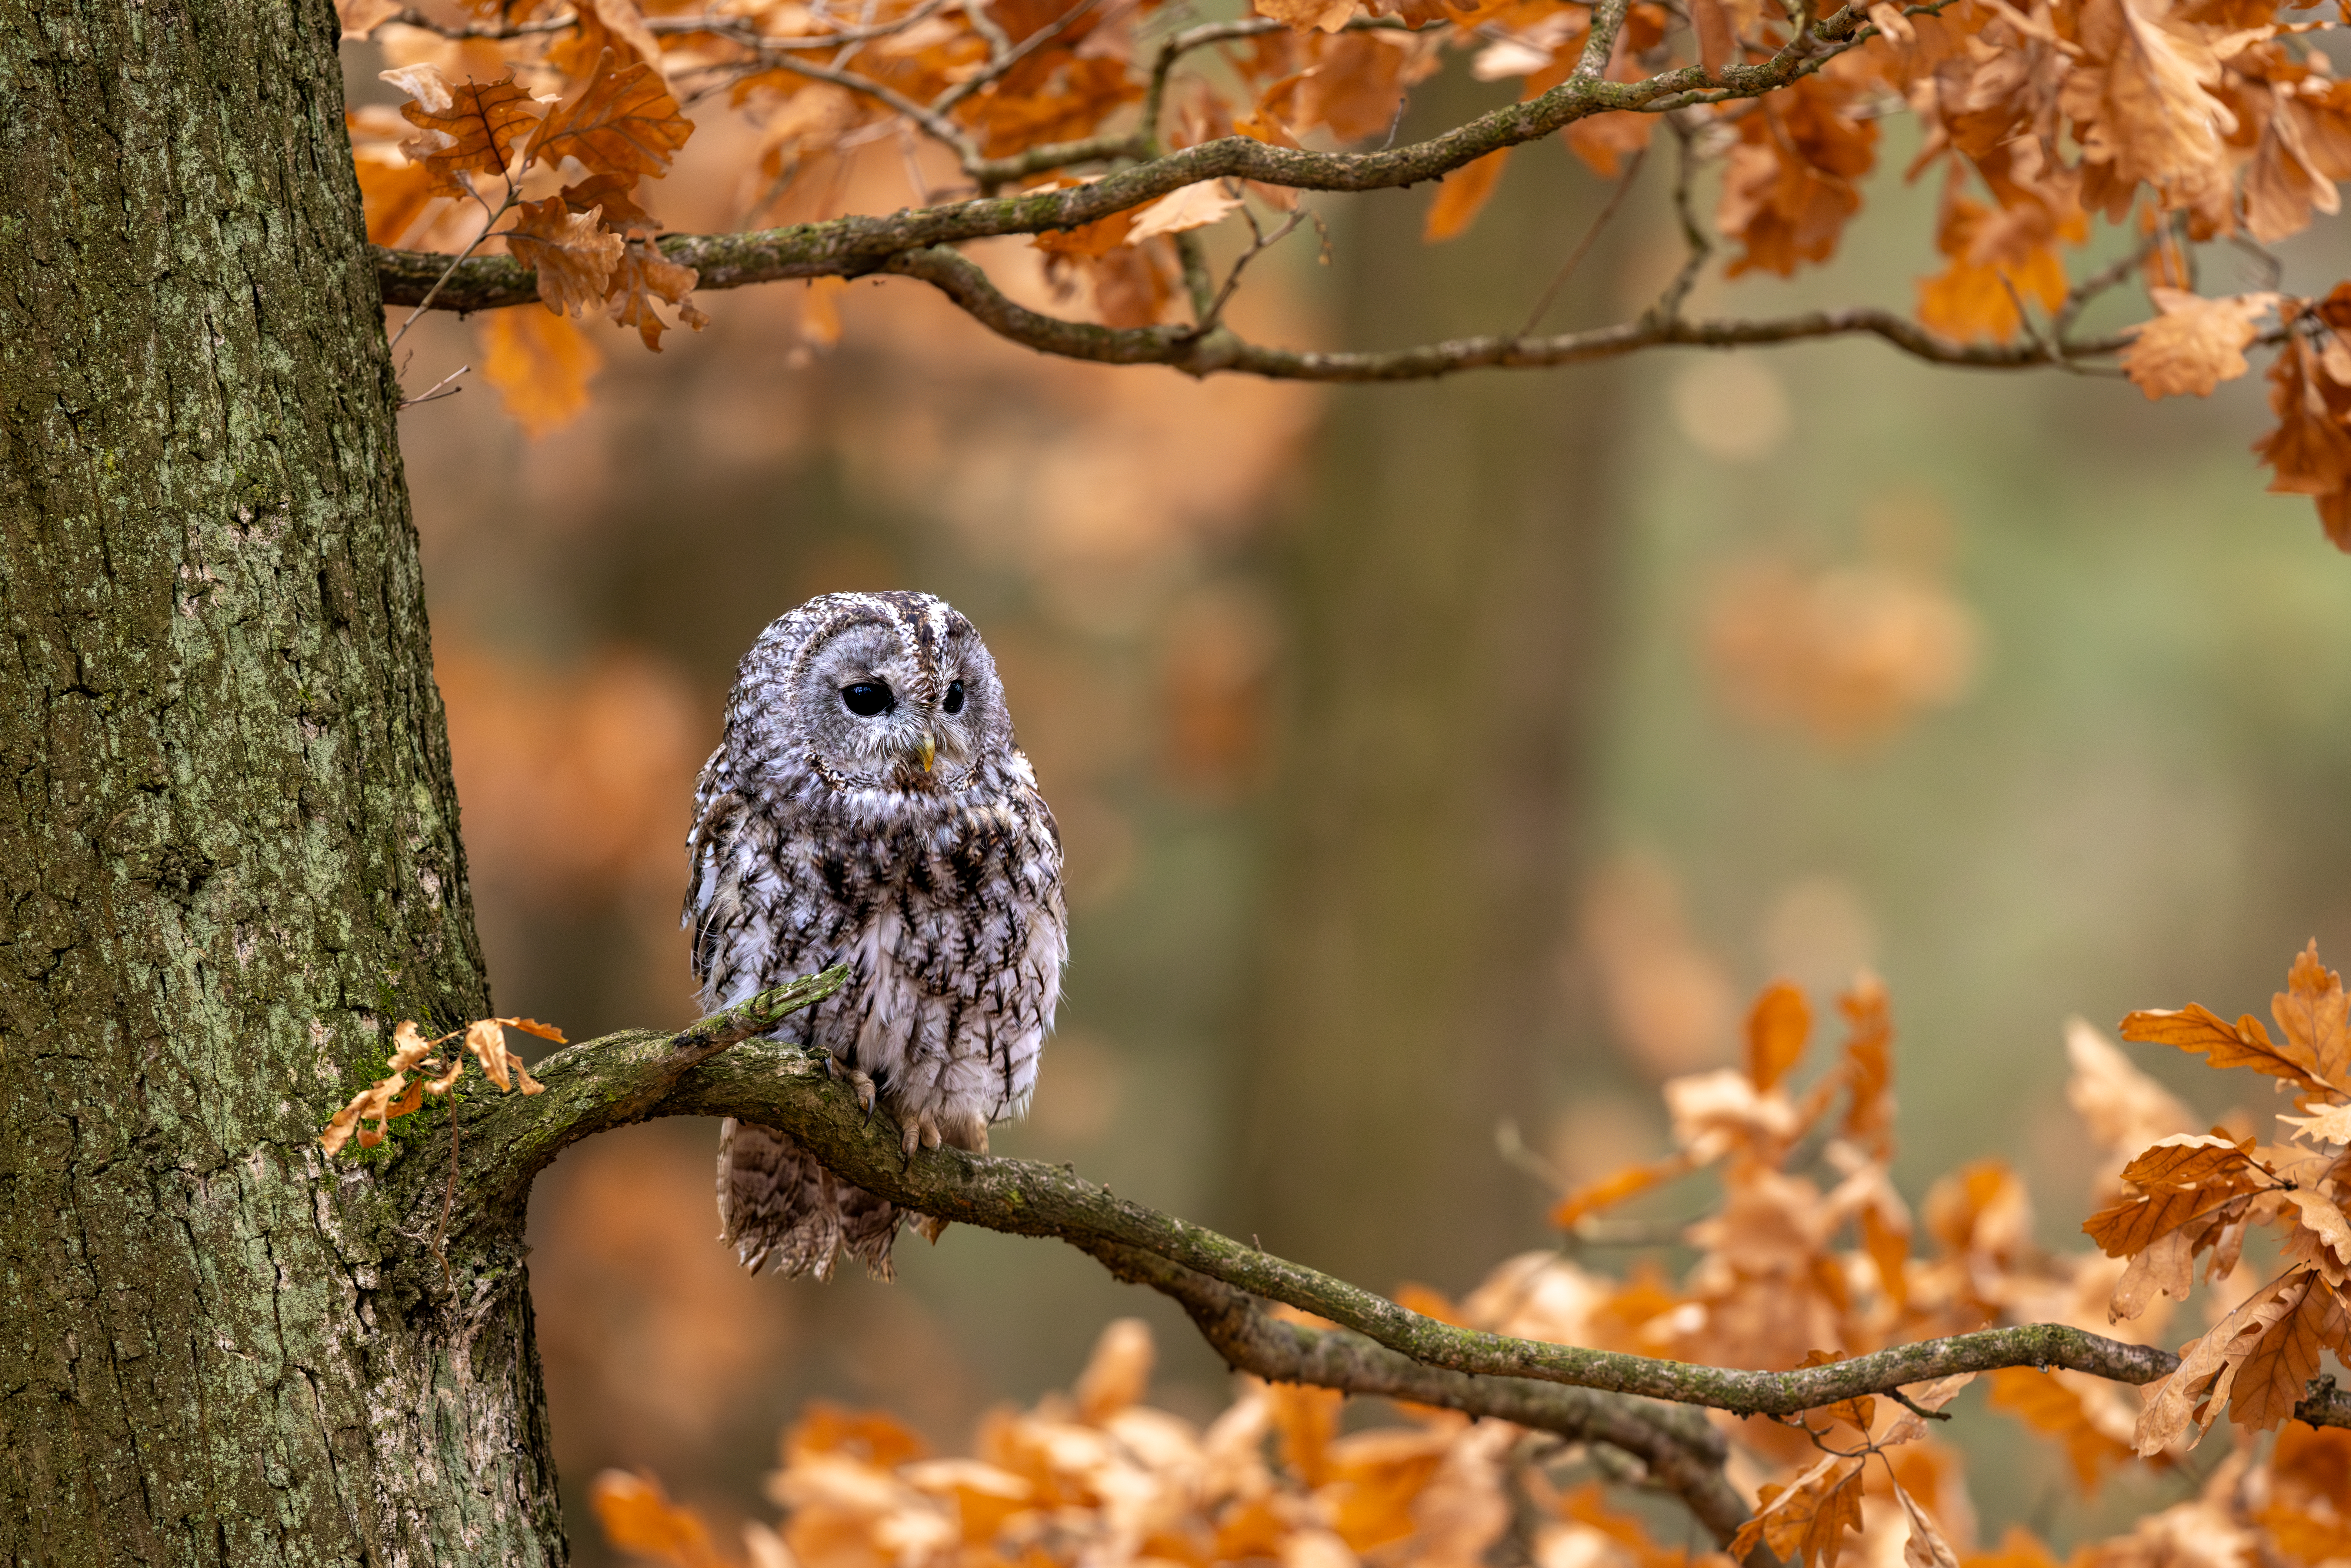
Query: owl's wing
(706, 844)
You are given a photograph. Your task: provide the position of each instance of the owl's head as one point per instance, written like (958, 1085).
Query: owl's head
(890, 691)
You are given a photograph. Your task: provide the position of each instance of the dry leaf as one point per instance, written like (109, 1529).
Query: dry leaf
(1777, 1028)
(1926, 1548)
(1462, 195)
(643, 273)
(571, 252)
(2312, 1013)
(638, 1517)
(2195, 345)
(1192, 207)
(540, 365)
(2199, 1030)
(2055, 1405)
(1118, 1373)
(620, 122)
(473, 131)
(1305, 15)
(1807, 1522)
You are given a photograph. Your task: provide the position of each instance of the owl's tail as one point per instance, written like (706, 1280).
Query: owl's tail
(779, 1209)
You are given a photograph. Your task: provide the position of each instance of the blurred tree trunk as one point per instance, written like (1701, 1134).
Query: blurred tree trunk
(230, 853)
(1445, 600)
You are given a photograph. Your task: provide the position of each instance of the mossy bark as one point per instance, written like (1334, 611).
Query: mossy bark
(230, 853)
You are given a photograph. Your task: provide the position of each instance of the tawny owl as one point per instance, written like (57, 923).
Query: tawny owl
(867, 806)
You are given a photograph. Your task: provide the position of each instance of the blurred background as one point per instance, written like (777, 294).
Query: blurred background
(1428, 757)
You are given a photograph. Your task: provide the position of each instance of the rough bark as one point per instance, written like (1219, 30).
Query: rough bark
(230, 851)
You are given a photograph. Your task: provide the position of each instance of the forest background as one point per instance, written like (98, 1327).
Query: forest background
(2011, 688)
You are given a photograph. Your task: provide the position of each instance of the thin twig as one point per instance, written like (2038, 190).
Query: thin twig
(996, 68)
(1259, 243)
(513, 194)
(1583, 246)
(434, 392)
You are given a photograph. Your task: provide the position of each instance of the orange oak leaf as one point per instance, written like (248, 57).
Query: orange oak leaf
(643, 273)
(1192, 207)
(1868, 1064)
(2199, 1030)
(540, 365)
(2309, 453)
(2126, 1226)
(473, 129)
(638, 1518)
(1305, 15)
(570, 251)
(1806, 1520)
(619, 121)
(2052, 1405)
(616, 194)
(2195, 344)
(1617, 1186)
(2191, 1160)
(1778, 1025)
(2195, 1392)
(2271, 1382)
(2313, 1013)
(1462, 196)
(1926, 1548)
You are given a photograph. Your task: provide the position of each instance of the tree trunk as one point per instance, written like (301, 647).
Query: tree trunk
(1446, 598)
(230, 855)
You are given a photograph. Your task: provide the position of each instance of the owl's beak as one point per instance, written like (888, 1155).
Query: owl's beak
(927, 750)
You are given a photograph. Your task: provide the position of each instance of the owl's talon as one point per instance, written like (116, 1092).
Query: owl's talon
(861, 1082)
(909, 1136)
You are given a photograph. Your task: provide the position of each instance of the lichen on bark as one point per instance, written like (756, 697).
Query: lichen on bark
(231, 846)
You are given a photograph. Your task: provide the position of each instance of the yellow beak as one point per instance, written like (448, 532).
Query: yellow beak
(929, 748)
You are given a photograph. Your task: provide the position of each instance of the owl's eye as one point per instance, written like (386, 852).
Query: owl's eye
(867, 698)
(954, 697)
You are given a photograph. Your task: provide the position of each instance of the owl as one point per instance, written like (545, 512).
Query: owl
(867, 807)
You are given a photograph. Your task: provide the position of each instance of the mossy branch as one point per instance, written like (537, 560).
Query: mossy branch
(1376, 1347)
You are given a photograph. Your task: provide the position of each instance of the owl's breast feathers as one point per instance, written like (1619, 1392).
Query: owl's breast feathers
(945, 904)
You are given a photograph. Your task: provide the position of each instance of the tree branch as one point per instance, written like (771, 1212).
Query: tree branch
(1682, 1454)
(858, 244)
(627, 1077)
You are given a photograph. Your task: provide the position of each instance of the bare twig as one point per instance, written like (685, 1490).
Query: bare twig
(1259, 243)
(514, 194)
(996, 68)
(1583, 246)
(434, 392)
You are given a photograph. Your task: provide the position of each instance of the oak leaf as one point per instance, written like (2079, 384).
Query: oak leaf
(2067, 1406)
(1118, 1373)
(642, 274)
(2194, 1393)
(1926, 1548)
(2271, 1382)
(619, 121)
(1306, 16)
(473, 129)
(638, 1517)
(540, 365)
(1778, 1025)
(2134, 1223)
(2315, 1015)
(1462, 196)
(571, 252)
(1806, 1520)
(1194, 206)
(2199, 1030)
(2195, 344)
(616, 195)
